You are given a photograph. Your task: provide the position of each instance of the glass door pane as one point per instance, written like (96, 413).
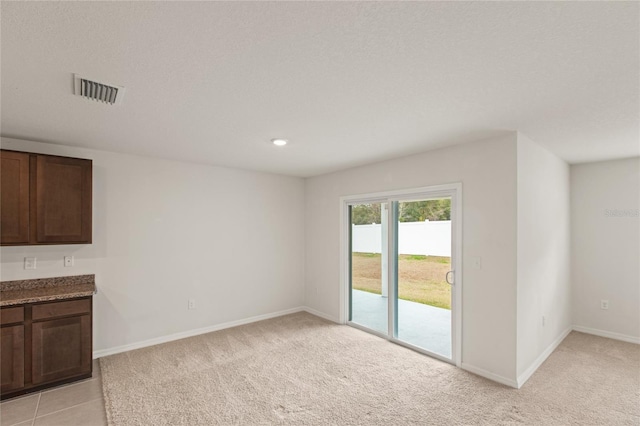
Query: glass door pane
(423, 260)
(368, 266)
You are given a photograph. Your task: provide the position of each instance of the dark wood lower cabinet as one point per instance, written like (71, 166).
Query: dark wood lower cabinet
(12, 358)
(60, 349)
(51, 345)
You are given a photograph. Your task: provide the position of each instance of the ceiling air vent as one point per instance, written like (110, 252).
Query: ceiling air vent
(98, 91)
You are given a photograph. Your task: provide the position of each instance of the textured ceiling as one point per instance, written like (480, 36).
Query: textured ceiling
(347, 83)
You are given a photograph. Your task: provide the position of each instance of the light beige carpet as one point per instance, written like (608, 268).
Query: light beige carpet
(302, 370)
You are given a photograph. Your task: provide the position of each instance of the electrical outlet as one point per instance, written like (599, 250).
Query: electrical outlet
(604, 304)
(29, 263)
(192, 304)
(544, 321)
(68, 261)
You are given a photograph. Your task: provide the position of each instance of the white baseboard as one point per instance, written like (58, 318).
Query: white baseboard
(177, 336)
(489, 375)
(522, 379)
(609, 334)
(320, 314)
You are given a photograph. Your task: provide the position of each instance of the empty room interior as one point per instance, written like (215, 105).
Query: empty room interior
(320, 213)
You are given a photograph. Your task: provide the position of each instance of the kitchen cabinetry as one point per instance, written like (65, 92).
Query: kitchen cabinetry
(45, 199)
(14, 210)
(45, 344)
(12, 349)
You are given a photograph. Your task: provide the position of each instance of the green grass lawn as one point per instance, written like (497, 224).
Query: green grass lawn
(421, 278)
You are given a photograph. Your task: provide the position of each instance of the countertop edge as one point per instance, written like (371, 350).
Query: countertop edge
(36, 299)
(20, 297)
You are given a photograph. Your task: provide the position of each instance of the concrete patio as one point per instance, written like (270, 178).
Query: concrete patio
(421, 325)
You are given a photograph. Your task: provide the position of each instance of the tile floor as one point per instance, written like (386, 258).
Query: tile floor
(78, 403)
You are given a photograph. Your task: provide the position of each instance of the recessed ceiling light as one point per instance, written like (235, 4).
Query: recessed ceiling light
(279, 142)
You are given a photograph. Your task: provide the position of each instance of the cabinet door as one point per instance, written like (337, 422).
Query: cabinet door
(63, 200)
(12, 358)
(14, 207)
(61, 348)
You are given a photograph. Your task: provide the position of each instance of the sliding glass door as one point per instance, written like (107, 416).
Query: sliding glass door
(369, 278)
(423, 263)
(401, 269)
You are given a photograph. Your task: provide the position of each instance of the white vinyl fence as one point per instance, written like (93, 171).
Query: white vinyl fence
(426, 238)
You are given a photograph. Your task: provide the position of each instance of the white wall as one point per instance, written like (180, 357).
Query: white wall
(605, 198)
(487, 170)
(166, 231)
(544, 287)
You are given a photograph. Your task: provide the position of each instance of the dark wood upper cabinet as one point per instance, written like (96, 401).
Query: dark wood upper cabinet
(63, 200)
(46, 199)
(14, 194)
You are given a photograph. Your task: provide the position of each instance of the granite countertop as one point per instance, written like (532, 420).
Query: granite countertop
(44, 289)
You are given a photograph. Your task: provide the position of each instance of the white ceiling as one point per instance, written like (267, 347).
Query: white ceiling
(347, 83)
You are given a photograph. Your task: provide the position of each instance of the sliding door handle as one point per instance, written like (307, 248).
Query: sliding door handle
(448, 276)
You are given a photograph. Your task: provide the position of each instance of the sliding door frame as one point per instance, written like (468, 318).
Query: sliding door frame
(453, 190)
